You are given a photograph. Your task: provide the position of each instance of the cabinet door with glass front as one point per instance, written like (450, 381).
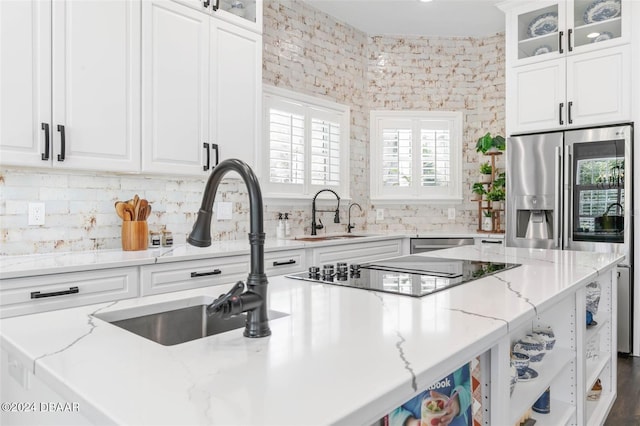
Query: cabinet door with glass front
(540, 31)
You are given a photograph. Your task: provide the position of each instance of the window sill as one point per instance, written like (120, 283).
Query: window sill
(410, 200)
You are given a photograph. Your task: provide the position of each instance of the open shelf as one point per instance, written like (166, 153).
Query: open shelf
(593, 331)
(597, 411)
(560, 414)
(594, 368)
(526, 393)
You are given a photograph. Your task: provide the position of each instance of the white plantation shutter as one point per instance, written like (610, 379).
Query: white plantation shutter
(416, 155)
(396, 156)
(308, 145)
(286, 147)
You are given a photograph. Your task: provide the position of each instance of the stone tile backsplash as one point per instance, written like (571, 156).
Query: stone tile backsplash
(307, 51)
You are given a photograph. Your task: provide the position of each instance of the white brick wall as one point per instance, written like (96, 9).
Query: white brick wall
(307, 51)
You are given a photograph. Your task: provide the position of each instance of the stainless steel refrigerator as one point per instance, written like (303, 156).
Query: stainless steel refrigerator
(573, 190)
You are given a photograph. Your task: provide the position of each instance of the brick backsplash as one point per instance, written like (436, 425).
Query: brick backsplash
(307, 51)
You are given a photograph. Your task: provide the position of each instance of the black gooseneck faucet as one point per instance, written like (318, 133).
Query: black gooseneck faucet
(254, 300)
(349, 225)
(336, 218)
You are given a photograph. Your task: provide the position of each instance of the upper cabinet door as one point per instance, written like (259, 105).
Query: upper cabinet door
(25, 82)
(236, 91)
(96, 85)
(543, 30)
(175, 87)
(537, 97)
(599, 87)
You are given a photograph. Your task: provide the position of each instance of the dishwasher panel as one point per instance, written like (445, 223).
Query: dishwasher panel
(421, 245)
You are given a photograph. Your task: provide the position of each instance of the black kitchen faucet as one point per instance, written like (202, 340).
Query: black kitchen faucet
(315, 226)
(254, 300)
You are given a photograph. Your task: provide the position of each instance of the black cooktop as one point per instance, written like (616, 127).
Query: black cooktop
(413, 275)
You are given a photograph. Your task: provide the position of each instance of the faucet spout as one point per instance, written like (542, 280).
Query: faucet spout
(254, 300)
(336, 218)
(349, 225)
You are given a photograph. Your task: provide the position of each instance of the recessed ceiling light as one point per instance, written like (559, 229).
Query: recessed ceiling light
(593, 35)
(425, 1)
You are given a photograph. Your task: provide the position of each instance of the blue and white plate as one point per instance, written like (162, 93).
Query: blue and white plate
(529, 374)
(541, 50)
(543, 24)
(602, 10)
(603, 36)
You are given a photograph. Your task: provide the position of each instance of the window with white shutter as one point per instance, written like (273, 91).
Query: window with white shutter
(416, 156)
(307, 141)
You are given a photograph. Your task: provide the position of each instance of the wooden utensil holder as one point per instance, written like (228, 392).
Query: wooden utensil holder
(135, 235)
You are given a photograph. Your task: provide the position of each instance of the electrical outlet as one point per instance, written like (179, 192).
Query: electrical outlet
(36, 213)
(379, 214)
(225, 210)
(452, 213)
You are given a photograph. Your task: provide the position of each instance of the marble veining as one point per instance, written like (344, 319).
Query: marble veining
(337, 345)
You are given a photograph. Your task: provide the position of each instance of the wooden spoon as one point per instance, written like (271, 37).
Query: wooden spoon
(128, 212)
(120, 207)
(148, 212)
(142, 209)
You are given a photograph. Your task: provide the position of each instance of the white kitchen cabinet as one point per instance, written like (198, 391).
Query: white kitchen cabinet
(29, 295)
(69, 84)
(357, 252)
(284, 262)
(174, 276)
(236, 91)
(175, 87)
(201, 90)
(562, 78)
(243, 13)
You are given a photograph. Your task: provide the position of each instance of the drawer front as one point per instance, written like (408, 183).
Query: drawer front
(176, 276)
(21, 296)
(284, 262)
(357, 253)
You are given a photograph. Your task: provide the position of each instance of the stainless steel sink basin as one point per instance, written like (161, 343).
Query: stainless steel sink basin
(330, 237)
(175, 326)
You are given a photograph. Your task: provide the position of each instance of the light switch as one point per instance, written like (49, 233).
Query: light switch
(379, 214)
(452, 213)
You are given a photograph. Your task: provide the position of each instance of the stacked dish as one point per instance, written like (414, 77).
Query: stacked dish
(602, 10)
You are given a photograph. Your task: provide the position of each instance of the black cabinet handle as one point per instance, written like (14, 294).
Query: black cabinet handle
(38, 295)
(205, 274)
(214, 147)
(569, 119)
(560, 115)
(206, 148)
(62, 143)
(490, 242)
(45, 127)
(569, 40)
(206, 3)
(215, 5)
(288, 262)
(560, 34)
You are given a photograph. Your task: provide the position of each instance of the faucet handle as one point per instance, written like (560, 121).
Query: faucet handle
(221, 305)
(319, 225)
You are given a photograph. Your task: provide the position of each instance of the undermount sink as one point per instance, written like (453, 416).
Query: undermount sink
(169, 325)
(330, 237)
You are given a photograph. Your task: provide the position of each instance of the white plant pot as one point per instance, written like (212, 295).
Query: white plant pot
(487, 223)
(485, 178)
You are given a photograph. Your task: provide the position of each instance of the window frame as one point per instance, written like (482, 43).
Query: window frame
(379, 119)
(321, 108)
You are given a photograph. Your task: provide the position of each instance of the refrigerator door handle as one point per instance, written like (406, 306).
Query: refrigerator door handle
(568, 208)
(556, 208)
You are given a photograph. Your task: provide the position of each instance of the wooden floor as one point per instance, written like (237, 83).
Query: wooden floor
(626, 409)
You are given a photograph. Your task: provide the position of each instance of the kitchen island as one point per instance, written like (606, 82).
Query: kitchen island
(339, 356)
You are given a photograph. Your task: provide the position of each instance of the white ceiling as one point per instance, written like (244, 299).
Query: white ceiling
(449, 18)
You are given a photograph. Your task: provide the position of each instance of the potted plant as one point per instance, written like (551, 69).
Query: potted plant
(478, 191)
(485, 172)
(488, 143)
(501, 180)
(487, 221)
(496, 195)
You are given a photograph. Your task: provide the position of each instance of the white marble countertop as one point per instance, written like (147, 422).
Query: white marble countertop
(58, 263)
(341, 356)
